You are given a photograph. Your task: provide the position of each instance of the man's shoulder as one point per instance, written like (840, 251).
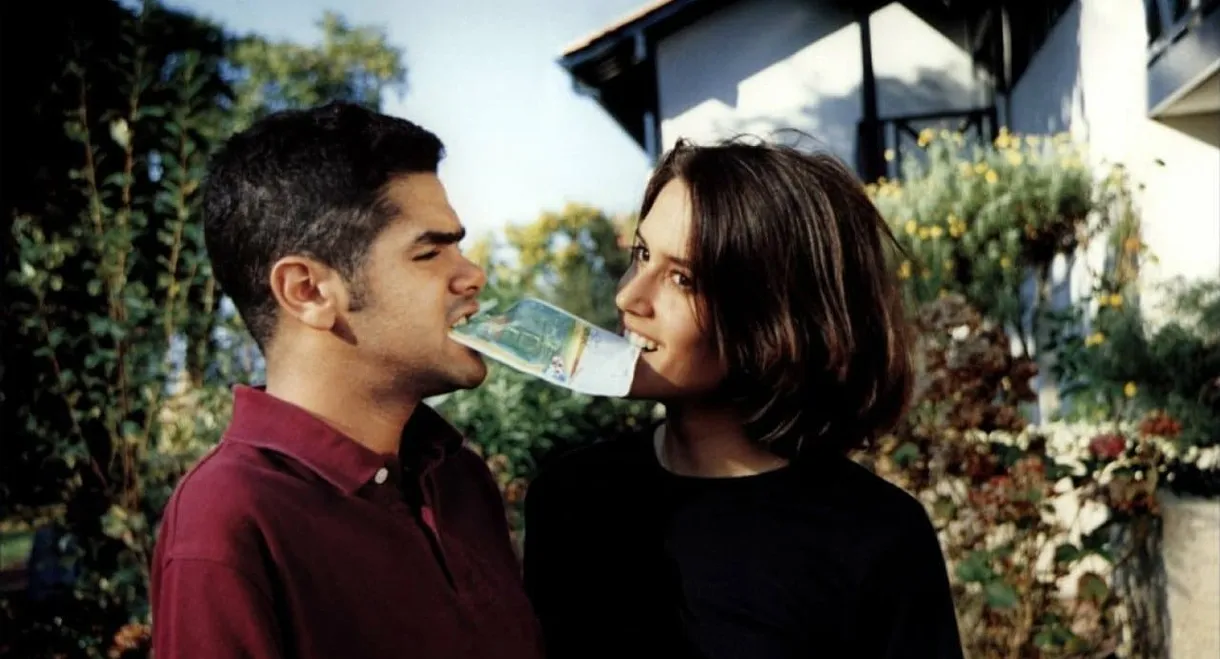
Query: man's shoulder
(214, 511)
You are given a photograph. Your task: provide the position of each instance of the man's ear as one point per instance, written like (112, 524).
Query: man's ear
(309, 291)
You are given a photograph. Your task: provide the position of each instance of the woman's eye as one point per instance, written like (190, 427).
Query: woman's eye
(639, 253)
(681, 280)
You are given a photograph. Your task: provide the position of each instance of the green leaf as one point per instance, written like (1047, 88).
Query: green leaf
(1068, 553)
(150, 111)
(906, 454)
(1091, 586)
(975, 568)
(1000, 595)
(944, 508)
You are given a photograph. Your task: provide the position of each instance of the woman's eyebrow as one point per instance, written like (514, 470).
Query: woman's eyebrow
(676, 260)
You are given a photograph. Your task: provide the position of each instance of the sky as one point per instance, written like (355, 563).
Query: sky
(482, 74)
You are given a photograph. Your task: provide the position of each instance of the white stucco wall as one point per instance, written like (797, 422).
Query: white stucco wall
(763, 65)
(1090, 78)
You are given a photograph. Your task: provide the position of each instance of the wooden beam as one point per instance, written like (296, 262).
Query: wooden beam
(870, 145)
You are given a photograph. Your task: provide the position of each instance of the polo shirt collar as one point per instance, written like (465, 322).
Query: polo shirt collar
(264, 421)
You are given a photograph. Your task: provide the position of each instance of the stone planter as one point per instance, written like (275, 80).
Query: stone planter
(1191, 552)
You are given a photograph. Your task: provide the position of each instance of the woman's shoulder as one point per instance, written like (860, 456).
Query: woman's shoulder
(596, 466)
(870, 499)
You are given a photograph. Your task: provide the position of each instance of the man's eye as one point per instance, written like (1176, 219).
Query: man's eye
(428, 255)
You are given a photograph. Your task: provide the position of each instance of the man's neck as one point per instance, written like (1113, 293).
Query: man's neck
(370, 412)
(708, 442)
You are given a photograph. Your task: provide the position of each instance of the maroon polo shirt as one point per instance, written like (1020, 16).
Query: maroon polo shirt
(292, 540)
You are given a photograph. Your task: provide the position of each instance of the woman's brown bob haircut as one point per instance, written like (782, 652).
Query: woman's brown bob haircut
(792, 272)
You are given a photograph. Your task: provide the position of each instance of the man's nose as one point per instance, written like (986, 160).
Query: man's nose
(472, 279)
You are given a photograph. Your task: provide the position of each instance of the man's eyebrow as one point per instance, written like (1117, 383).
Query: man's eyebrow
(439, 238)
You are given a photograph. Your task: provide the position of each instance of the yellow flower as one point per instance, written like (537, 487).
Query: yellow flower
(981, 167)
(924, 232)
(889, 154)
(967, 170)
(912, 226)
(904, 270)
(992, 177)
(1032, 140)
(926, 136)
(1003, 141)
(1005, 262)
(1116, 300)
(1015, 159)
(937, 232)
(957, 226)
(1129, 390)
(1095, 339)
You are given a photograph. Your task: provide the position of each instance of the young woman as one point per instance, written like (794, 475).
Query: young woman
(773, 333)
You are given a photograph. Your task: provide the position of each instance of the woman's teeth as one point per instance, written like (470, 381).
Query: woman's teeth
(647, 345)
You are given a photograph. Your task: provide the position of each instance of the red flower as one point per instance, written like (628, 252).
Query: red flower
(1108, 446)
(1159, 423)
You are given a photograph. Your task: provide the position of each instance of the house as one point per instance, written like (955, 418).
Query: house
(1138, 81)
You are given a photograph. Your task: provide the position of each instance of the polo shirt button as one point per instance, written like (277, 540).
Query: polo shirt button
(381, 475)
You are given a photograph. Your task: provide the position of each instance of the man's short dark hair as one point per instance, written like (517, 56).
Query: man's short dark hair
(792, 263)
(308, 182)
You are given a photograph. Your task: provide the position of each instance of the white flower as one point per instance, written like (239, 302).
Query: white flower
(1208, 458)
(120, 132)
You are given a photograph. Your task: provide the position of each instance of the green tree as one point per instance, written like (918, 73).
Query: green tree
(116, 355)
(352, 63)
(573, 258)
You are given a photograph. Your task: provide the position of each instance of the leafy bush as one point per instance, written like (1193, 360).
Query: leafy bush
(973, 217)
(1038, 522)
(1034, 520)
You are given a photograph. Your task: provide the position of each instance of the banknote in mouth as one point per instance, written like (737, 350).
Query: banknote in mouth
(553, 345)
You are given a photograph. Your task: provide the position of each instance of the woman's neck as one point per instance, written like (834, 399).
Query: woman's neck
(709, 443)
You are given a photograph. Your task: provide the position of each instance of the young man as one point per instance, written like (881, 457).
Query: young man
(340, 516)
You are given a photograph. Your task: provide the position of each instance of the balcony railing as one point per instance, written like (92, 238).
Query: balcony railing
(1183, 48)
(884, 145)
(1169, 20)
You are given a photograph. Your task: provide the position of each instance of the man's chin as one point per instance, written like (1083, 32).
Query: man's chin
(476, 377)
(469, 374)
